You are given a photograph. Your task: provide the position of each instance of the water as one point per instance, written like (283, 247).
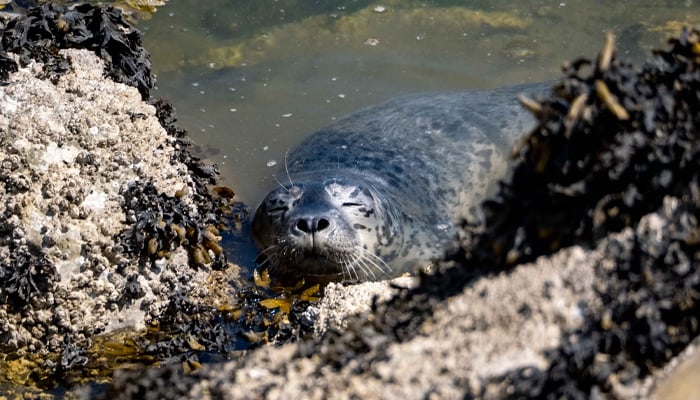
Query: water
(250, 79)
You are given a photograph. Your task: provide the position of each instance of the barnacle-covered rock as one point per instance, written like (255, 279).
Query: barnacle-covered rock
(107, 217)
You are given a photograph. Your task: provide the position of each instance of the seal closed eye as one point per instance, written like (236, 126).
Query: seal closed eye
(377, 193)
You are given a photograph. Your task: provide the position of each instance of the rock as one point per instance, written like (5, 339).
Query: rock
(72, 151)
(93, 186)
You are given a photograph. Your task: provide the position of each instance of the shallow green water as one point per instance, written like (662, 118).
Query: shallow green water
(251, 78)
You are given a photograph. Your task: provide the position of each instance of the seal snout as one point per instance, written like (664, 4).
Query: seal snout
(312, 232)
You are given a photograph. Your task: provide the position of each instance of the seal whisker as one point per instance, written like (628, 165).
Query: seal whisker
(269, 257)
(380, 265)
(375, 262)
(286, 167)
(358, 262)
(345, 269)
(350, 265)
(344, 266)
(276, 249)
(337, 158)
(367, 269)
(280, 183)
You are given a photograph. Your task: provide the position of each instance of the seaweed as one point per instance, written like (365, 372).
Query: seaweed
(609, 146)
(259, 314)
(24, 277)
(104, 30)
(164, 223)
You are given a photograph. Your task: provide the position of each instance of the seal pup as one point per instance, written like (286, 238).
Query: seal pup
(378, 193)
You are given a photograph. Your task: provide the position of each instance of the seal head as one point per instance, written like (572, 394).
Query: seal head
(333, 229)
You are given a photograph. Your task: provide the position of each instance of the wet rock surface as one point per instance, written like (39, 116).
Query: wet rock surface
(583, 281)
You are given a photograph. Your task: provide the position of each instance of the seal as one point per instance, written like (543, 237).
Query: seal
(378, 193)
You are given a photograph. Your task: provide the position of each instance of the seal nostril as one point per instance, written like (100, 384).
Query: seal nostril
(310, 225)
(322, 224)
(303, 226)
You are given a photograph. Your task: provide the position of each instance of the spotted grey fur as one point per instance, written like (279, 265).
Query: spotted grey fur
(378, 193)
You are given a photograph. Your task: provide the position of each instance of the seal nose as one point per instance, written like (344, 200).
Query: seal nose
(312, 225)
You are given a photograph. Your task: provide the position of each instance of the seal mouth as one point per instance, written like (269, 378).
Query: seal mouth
(306, 259)
(314, 263)
(334, 264)
(318, 268)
